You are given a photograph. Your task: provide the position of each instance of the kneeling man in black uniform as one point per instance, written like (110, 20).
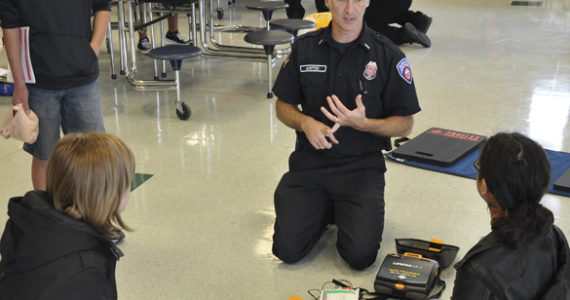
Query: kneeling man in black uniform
(355, 91)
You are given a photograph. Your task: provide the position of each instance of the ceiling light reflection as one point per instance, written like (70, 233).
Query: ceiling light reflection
(548, 118)
(204, 141)
(264, 244)
(552, 203)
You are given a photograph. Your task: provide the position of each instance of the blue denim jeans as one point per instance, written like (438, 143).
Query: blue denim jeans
(73, 110)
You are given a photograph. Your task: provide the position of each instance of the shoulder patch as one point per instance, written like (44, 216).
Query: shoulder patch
(403, 68)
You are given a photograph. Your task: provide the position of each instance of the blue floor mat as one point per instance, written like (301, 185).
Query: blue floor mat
(559, 161)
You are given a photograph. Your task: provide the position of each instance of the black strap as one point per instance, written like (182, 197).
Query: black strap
(437, 289)
(399, 142)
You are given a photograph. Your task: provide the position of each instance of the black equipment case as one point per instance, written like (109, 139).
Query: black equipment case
(435, 249)
(408, 276)
(439, 146)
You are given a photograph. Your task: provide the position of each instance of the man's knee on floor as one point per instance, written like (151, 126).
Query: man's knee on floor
(287, 253)
(358, 259)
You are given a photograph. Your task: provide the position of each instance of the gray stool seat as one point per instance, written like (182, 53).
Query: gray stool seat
(269, 39)
(292, 25)
(171, 4)
(267, 8)
(176, 54)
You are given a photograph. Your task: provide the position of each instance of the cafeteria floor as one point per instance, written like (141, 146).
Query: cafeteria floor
(204, 220)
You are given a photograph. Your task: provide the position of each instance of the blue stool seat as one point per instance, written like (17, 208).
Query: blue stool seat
(175, 54)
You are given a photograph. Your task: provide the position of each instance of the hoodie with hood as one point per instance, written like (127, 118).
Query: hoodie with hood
(59, 39)
(48, 255)
(540, 270)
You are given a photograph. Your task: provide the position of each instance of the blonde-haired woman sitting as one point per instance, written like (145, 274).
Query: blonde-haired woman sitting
(58, 244)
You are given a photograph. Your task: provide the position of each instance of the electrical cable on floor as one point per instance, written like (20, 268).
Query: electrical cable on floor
(345, 284)
(340, 283)
(318, 292)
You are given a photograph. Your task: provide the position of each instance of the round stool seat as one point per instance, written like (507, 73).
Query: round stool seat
(268, 37)
(174, 52)
(268, 7)
(292, 25)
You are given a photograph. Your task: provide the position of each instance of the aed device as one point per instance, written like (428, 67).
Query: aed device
(563, 182)
(408, 276)
(439, 146)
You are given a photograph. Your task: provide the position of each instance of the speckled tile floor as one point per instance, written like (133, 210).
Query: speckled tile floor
(204, 220)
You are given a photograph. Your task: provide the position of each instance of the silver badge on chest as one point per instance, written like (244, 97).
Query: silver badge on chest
(370, 70)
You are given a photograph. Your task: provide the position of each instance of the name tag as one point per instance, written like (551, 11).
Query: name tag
(313, 68)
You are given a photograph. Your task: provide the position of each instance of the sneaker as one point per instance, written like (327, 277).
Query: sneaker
(176, 38)
(144, 45)
(421, 21)
(412, 35)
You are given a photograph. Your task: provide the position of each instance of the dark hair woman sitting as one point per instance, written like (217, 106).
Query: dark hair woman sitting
(525, 256)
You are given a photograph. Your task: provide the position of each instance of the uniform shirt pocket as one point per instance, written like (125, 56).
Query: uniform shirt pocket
(314, 86)
(371, 91)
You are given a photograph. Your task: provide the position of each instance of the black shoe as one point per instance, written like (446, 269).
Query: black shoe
(144, 45)
(412, 35)
(421, 21)
(176, 38)
(296, 14)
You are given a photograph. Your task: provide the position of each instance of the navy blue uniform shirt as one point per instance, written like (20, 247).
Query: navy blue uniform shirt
(371, 65)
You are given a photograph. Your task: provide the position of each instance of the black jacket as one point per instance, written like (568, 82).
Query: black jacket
(492, 271)
(60, 32)
(48, 255)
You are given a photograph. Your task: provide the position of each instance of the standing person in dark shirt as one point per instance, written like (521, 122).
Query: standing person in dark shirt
(64, 45)
(355, 90)
(297, 11)
(382, 16)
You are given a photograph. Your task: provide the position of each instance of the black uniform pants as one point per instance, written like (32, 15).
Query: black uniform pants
(297, 11)
(304, 201)
(381, 13)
